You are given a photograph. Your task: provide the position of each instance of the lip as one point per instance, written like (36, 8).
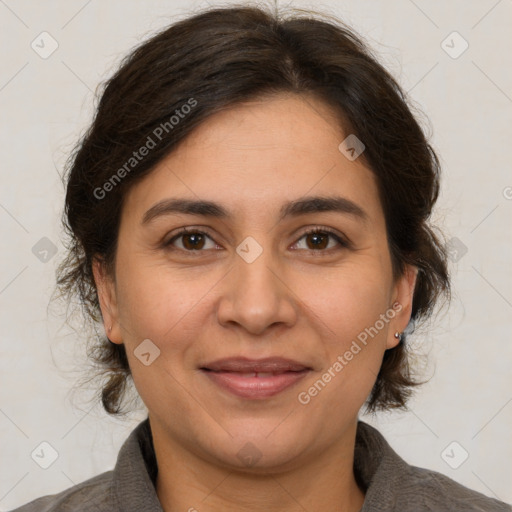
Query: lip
(240, 376)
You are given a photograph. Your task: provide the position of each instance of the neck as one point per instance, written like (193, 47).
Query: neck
(187, 482)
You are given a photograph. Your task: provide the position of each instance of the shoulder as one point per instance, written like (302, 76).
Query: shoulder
(92, 495)
(130, 486)
(423, 489)
(394, 485)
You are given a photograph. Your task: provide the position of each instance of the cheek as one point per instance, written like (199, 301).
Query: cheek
(347, 310)
(346, 300)
(162, 303)
(170, 309)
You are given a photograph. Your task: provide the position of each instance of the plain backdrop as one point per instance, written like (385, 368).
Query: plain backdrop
(46, 103)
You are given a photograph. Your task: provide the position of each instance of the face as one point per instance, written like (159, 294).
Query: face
(264, 273)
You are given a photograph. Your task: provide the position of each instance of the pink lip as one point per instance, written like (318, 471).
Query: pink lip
(244, 364)
(234, 375)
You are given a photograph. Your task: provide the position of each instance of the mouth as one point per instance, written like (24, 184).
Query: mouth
(255, 379)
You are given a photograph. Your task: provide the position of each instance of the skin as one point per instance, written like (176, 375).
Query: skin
(291, 302)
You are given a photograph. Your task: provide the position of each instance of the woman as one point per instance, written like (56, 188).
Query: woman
(249, 215)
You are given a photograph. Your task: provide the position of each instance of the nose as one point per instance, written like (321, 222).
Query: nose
(256, 296)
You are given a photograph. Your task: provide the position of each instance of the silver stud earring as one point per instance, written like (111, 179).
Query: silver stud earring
(398, 336)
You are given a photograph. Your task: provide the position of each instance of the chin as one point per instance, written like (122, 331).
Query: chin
(265, 446)
(261, 458)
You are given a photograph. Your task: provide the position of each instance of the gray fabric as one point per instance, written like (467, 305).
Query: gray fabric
(390, 483)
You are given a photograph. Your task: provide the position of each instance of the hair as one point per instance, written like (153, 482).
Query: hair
(212, 61)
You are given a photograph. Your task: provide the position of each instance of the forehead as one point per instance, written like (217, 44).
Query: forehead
(258, 155)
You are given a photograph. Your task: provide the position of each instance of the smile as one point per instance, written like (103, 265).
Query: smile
(255, 385)
(255, 379)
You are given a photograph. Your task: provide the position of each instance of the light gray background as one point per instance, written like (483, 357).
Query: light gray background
(46, 103)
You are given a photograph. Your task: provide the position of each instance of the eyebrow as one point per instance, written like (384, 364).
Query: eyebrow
(303, 206)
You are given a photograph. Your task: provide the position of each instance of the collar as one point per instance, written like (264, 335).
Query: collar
(388, 481)
(134, 477)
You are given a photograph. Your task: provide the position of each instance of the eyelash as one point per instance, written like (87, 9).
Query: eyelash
(344, 243)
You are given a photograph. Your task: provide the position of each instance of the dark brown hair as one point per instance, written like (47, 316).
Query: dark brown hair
(212, 61)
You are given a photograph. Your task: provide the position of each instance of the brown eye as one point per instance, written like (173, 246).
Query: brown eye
(191, 240)
(319, 239)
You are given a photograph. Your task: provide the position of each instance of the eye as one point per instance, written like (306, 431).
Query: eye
(317, 239)
(192, 240)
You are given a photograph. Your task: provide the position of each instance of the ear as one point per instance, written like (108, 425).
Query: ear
(108, 302)
(403, 293)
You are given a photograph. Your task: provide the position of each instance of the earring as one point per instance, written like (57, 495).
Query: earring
(398, 336)
(110, 328)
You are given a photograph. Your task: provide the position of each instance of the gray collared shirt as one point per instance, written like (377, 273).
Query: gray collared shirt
(390, 483)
